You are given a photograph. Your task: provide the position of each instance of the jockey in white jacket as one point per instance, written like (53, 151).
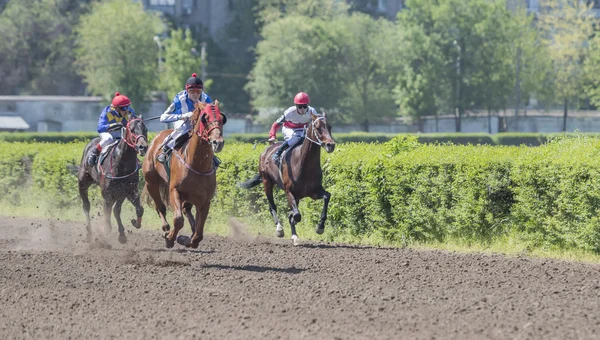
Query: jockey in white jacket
(294, 121)
(180, 111)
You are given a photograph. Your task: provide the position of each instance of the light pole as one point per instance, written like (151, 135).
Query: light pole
(194, 51)
(158, 43)
(457, 109)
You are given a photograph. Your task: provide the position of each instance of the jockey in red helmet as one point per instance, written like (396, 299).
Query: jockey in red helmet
(294, 121)
(112, 119)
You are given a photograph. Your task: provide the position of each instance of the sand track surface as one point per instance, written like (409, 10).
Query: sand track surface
(55, 286)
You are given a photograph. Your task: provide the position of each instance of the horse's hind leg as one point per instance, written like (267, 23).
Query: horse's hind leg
(108, 204)
(117, 212)
(134, 198)
(161, 209)
(177, 219)
(268, 185)
(83, 193)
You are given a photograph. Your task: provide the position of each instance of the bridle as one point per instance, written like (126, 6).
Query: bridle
(318, 140)
(131, 138)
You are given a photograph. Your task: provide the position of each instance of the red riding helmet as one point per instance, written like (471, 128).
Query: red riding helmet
(301, 98)
(120, 100)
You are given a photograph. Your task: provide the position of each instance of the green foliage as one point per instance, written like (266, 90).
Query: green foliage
(36, 47)
(566, 27)
(516, 138)
(546, 197)
(457, 55)
(116, 51)
(343, 63)
(180, 63)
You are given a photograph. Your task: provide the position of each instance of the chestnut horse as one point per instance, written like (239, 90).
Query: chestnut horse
(299, 174)
(190, 178)
(117, 176)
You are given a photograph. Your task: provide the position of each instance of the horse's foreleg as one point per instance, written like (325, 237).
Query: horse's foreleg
(177, 219)
(117, 212)
(268, 185)
(83, 193)
(294, 215)
(321, 227)
(201, 215)
(134, 198)
(187, 210)
(161, 209)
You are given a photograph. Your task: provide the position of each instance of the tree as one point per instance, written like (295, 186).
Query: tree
(116, 51)
(271, 10)
(566, 27)
(459, 56)
(180, 62)
(296, 54)
(36, 47)
(365, 66)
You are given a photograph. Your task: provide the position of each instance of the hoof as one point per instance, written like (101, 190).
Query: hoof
(122, 239)
(193, 245)
(279, 233)
(295, 240)
(137, 224)
(169, 243)
(183, 240)
(320, 231)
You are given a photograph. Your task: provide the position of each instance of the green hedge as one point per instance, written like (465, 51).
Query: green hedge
(532, 139)
(401, 191)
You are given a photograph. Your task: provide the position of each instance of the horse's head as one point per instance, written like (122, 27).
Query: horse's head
(136, 135)
(320, 132)
(208, 123)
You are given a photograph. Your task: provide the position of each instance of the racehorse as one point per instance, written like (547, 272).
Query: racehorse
(116, 172)
(188, 178)
(299, 174)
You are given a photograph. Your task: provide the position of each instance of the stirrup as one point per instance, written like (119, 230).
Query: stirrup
(162, 157)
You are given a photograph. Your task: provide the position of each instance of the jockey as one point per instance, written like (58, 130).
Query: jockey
(180, 110)
(294, 121)
(112, 119)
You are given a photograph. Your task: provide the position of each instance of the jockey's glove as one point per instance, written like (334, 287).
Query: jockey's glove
(186, 115)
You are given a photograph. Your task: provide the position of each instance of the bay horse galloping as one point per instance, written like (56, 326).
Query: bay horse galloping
(189, 177)
(299, 174)
(117, 175)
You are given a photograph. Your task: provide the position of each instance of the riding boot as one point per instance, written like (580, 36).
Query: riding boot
(162, 157)
(93, 157)
(277, 154)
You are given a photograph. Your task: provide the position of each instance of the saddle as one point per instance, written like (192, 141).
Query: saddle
(106, 151)
(286, 151)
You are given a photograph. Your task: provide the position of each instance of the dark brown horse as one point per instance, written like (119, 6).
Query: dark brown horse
(299, 175)
(190, 176)
(117, 176)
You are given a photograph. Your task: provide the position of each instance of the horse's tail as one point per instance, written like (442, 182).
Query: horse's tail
(74, 169)
(251, 183)
(164, 195)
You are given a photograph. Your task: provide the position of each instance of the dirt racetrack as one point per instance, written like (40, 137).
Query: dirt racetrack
(52, 286)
